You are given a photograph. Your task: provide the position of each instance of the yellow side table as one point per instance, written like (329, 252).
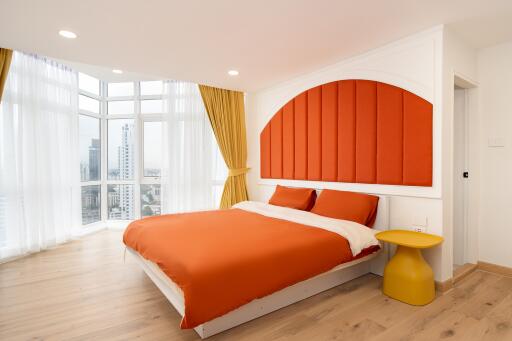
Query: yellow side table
(407, 277)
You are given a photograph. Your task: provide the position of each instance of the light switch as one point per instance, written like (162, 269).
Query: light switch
(496, 142)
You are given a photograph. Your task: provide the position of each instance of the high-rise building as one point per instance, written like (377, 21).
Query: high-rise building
(126, 157)
(94, 159)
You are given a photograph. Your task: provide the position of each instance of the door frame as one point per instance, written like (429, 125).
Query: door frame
(470, 186)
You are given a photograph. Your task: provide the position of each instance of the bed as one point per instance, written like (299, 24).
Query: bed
(263, 302)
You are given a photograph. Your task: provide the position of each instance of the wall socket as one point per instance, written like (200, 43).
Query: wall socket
(422, 229)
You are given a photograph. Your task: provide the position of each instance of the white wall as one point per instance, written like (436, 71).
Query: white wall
(495, 100)
(414, 63)
(427, 64)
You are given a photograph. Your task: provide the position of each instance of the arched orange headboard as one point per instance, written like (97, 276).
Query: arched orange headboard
(357, 131)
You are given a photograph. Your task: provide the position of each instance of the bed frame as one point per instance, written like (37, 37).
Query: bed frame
(373, 263)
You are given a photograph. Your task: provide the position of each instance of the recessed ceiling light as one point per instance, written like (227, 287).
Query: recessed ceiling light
(233, 72)
(117, 71)
(67, 34)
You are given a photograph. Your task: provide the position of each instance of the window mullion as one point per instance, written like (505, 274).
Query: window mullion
(104, 151)
(138, 152)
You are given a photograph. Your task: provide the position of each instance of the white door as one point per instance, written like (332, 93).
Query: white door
(460, 181)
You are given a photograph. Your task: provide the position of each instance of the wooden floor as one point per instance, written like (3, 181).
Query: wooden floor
(83, 291)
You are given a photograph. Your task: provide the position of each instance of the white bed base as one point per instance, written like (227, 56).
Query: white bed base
(373, 263)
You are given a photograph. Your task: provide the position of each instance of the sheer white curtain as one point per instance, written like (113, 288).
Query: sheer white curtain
(39, 166)
(193, 170)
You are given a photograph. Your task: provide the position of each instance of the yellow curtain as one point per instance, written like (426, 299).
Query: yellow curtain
(226, 112)
(5, 62)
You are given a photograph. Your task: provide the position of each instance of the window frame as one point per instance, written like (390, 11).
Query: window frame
(93, 96)
(95, 116)
(139, 178)
(122, 97)
(94, 225)
(134, 181)
(147, 180)
(88, 93)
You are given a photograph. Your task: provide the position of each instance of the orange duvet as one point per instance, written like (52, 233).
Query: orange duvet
(224, 259)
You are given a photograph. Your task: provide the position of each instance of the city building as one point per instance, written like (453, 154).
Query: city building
(126, 157)
(94, 159)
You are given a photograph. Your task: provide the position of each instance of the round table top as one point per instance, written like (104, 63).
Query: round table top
(417, 240)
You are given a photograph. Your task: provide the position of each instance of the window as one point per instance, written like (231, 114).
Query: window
(122, 138)
(121, 149)
(88, 84)
(90, 140)
(152, 106)
(150, 200)
(151, 109)
(89, 104)
(91, 204)
(151, 88)
(120, 89)
(120, 202)
(121, 146)
(121, 107)
(152, 149)
(90, 148)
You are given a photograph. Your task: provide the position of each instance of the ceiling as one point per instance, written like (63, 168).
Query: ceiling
(268, 41)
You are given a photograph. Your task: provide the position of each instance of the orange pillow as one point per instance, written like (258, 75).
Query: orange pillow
(358, 207)
(298, 198)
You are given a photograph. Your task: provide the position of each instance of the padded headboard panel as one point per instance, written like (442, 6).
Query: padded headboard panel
(357, 131)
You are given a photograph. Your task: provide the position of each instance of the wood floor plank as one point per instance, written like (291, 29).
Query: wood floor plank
(479, 306)
(495, 325)
(86, 290)
(425, 320)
